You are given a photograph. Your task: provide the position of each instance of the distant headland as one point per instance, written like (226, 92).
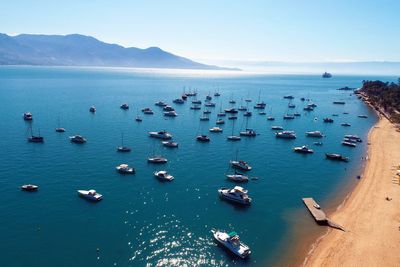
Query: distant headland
(81, 50)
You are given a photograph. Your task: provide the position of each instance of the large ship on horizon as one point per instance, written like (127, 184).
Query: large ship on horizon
(326, 75)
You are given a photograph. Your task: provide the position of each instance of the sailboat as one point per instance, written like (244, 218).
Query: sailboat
(260, 104)
(138, 118)
(240, 164)
(270, 117)
(248, 132)
(59, 129)
(123, 148)
(233, 137)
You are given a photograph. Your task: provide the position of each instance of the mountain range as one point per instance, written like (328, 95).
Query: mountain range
(81, 50)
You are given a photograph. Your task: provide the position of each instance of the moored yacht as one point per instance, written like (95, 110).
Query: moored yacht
(60, 130)
(328, 120)
(169, 144)
(216, 129)
(157, 160)
(346, 124)
(237, 177)
(288, 117)
(163, 175)
(275, 127)
(91, 195)
(232, 242)
(203, 138)
(148, 111)
(29, 187)
(178, 101)
(286, 135)
(77, 139)
(28, 116)
(248, 132)
(353, 137)
(125, 169)
(237, 194)
(161, 135)
(219, 121)
(124, 106)
(317, 134)
(347, 143)
(337, 157)
(231, 110)
(171, 113)
(303, 150)
(160, 104)
(240, 164)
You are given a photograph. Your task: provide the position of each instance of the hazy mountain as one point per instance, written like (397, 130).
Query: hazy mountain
(80, 50)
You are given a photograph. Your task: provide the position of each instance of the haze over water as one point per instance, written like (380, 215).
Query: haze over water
(141, 220)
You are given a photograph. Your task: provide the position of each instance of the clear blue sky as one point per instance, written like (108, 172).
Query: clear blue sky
(217, 29)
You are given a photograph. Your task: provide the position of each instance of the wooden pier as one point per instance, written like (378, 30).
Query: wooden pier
(318, 214)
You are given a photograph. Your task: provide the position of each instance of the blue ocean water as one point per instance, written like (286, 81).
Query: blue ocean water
(142, 221)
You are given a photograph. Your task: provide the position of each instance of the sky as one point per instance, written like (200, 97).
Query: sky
(293, 31)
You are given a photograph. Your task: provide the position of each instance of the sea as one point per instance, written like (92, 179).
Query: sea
(141, 220)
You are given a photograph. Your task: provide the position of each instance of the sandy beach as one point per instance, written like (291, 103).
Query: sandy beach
(372, 221)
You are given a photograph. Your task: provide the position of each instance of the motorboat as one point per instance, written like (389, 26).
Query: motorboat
(209, 104)
(288, 117)
(221, 114)
(171, 113)
(237, 177)
(204, 118)
(219, 121)
(237, 194)
(277, 128)
(335, 115)
(353, 137)
(147, 111)
(270, 118)
(216, 129)
(231, 110)
(338, 157)
(124, 106)
(208, 97)
(303, 150)
(168, 108)
(138, 118)
(317, 134)
(161, 135)
(169, 144)
(318, 143)
(242, 108)
(240, 164)
(157, 160)
(363, 116)
(77, 139)
(262, 113)
(291, 106)
(196, 102)
(296, 114)
(217, 94)
(350, 140)
(339, 102)
(195, 107)
(91, 195)
(29, 187)
(346, 124)
(286, 135)
(232, 118)
(288, 97)
(232, 242)
(232, 101)
(203, 138)
(350, 144)
(207, 111)
(308, 108)
(163, 175)
(60, 130)
(178, 101)
(125, 169)
(160, 104)
(248, 132)
(328, 120)
(92, 109)
(247, 114)
(28, 116)
(313, 105)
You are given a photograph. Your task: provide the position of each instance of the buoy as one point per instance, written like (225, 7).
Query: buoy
(98, 250)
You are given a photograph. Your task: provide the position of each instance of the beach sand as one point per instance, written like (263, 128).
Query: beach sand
(372, 223)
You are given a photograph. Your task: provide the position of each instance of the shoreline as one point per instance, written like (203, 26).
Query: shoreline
(370, 240)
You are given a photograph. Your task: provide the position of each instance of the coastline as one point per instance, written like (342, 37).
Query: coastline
(371, 221)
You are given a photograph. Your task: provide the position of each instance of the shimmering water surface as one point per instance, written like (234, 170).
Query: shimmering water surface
(142, 221)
